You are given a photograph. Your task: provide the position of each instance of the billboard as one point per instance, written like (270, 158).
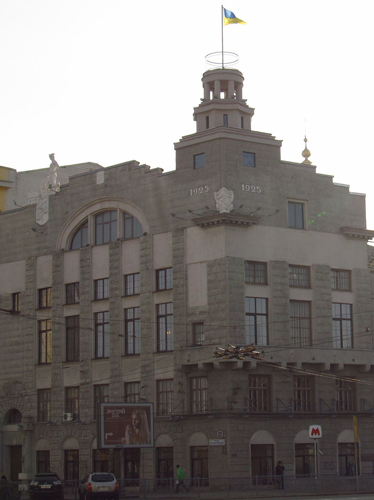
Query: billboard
(126, 425)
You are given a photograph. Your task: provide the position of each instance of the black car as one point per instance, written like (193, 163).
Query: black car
(46, 486)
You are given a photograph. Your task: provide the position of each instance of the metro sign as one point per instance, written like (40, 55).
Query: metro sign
(315, 431)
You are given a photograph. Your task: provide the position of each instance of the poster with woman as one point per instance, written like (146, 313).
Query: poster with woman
(126, 425)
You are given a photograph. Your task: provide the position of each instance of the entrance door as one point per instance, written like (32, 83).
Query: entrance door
(15, 462)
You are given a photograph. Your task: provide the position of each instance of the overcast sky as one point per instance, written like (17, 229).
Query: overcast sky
(109, 81)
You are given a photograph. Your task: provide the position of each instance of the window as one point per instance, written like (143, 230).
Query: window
(199, 395)
(207, 122)
(296, 215)
(242, 121)
(165, 396)
(132, 466)
(106, 227)
(71, 465)
(165, 469)
(347, 459)
(198, 334)
(299, 276)
(45, 341)
(199, 160)
(340, 280)
(344, 395)
(80, 238)
(132, 331)
(45, 298)
(100, 460)
(303, 396)
(16, 302)
(262, 458)
(164, 279)
(300, 323)
(259, 393)
(256, 272)
(248, 158)
(72, 293)
(101, 289)
(72, 338)
(43, 461)
(304, 459)
(342, 326)
(256, 321)
(72, 401)
(225, 120)
(132, 392)
(132, 227)
(165, 327)
(132, 284)
(199, 465)
(102, 334)
(44, 405)
(101, 395)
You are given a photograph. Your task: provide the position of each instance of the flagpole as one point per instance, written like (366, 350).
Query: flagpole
(223, 65)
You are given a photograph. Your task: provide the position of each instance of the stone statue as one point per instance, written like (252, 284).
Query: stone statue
(54, 166)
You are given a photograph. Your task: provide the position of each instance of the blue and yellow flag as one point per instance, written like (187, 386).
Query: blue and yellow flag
(230, 18)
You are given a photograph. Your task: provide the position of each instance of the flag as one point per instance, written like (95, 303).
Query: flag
(230, 18)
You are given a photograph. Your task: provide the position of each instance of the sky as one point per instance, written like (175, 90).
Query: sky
(110, 81)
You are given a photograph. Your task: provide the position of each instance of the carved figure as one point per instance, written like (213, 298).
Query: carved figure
(224, 199)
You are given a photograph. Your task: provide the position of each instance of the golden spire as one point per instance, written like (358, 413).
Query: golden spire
(306, 153)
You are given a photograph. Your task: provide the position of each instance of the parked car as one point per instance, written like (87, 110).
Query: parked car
(46, 486)
(99, 485)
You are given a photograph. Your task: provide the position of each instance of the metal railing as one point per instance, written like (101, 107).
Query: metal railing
(216, 488)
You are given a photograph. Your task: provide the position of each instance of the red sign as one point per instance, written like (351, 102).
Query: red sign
(315, 431)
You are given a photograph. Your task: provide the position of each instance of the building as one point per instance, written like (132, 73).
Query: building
(119, 285)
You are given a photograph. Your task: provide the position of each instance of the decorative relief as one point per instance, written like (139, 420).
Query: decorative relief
(224, 199)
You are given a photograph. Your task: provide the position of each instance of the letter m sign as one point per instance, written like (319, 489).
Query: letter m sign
(315, 431)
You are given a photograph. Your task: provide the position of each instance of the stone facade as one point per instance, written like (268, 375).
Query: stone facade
(299, 288)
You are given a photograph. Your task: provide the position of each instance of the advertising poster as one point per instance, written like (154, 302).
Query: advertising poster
(126, 425)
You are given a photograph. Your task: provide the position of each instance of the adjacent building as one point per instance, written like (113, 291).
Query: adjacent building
(119, 285)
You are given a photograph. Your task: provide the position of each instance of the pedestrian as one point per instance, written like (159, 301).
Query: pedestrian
(180, 479)
(4, 487)
(279, 472)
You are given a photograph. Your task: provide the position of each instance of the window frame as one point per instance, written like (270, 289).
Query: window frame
(72, 401)
(44, 405)
(199, 161)
(132, 331)
(72, 336)
(80, 237)
(102, 335)
(100, 395)
(303, 394)
(338, 330)
(106, 231)
(131, 284)
(260, 321)
(339, 282)
(256, 272)
(198, 337)
(298, 322)
(132, 392)
(295, 219)
(165, 324)
(165, 396)
(45, 298)
(16, 302)
(132, 227)
(249, 159)
(164, 279)
(71, 465)
(262, 460)
(298, 275)
(345, 395)
(259, 393)
(101, 289)
(45, 342)
(72, 293)
(43, 461)
(199, 390)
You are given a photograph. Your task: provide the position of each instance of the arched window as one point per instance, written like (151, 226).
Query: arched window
(106, 227)
(80, 238)
(13, 416)
(132, 227)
